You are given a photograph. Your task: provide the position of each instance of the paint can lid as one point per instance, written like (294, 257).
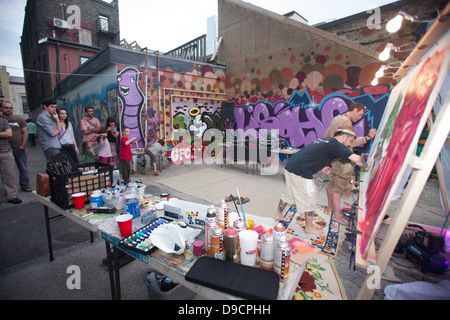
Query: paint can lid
(231, 231)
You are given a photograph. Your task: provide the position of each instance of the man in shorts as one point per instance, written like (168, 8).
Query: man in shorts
(300, 188)
(342, 170)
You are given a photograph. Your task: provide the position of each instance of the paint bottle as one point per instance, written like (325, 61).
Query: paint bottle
(96, 200)
(166, 284)
(216, 250)
(230, 239)
(210, 224)
(267, 251)
(282, 258)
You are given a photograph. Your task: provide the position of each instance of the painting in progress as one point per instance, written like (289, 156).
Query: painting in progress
(405, 116)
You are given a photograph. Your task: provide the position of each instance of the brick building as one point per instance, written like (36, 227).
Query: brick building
(59, 37)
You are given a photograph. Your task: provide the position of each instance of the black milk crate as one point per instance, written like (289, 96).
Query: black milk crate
(90, 176)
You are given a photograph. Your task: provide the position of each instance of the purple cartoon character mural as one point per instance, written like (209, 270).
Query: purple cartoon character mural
(132, 102)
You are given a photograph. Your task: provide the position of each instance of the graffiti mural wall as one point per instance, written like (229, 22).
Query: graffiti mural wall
(132, 101)
(99, 92)
(189, 100)
(301, 119)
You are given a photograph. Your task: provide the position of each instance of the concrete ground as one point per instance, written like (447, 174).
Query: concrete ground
(26, 272)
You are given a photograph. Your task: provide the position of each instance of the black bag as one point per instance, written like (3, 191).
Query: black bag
(236, 279)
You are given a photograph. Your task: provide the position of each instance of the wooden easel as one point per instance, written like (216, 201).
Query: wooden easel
(422, 165)
(418, 179)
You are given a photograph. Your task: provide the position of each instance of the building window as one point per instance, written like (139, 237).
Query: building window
(104, 23)
(24, 105)
(1, 91)
(83, 59)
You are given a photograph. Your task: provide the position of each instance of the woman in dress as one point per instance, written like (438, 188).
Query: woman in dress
(66, 136)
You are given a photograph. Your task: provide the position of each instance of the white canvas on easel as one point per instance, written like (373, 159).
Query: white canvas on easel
(370, 218)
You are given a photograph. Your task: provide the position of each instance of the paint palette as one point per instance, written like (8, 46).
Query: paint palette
(139, 241)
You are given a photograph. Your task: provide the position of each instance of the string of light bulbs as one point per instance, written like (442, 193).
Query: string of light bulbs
(392, 26)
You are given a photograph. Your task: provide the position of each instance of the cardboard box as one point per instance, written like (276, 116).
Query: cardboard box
(193, 214)
(42, 184)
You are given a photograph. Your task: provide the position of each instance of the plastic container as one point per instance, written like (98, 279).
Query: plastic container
(133, 205)
(110, 200)
(178, 292)
(148, 216)
(96, 199)
(159, 210)
(141, 190)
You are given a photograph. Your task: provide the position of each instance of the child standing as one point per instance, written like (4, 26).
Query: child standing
(88, 152)
(125, 157)
(104, 151)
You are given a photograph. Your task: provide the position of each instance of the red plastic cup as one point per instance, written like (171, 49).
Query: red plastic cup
(79, 200)
(125, 222)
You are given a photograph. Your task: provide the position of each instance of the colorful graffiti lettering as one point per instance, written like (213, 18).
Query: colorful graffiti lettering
(132, 101)
(300, 121)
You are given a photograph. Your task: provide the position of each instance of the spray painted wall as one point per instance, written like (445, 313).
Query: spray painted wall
(285, 75)
(302, 119)
(98, 92)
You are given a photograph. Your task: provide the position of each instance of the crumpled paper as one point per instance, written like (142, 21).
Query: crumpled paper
(173, 238)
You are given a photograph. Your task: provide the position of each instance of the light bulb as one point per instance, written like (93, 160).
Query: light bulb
(386, 52)
(394, 24)
(380, 72)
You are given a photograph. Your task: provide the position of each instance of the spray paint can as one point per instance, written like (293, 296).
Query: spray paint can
(239, 225)
(210, 224)
(282, 258)
(267, 251)
(223, 214)
(216, 247)
(226, 213)
(279, 231)
(231, 245)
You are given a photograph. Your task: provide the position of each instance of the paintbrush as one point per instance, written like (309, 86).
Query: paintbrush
(243, 214)
(237, 210)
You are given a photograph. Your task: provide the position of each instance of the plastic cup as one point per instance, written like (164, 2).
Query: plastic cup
(125, 222)
(248, 241)
(79, 200)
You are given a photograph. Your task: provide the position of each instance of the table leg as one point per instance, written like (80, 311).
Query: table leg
(49, 233)
(113, 270)
(116, 271)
